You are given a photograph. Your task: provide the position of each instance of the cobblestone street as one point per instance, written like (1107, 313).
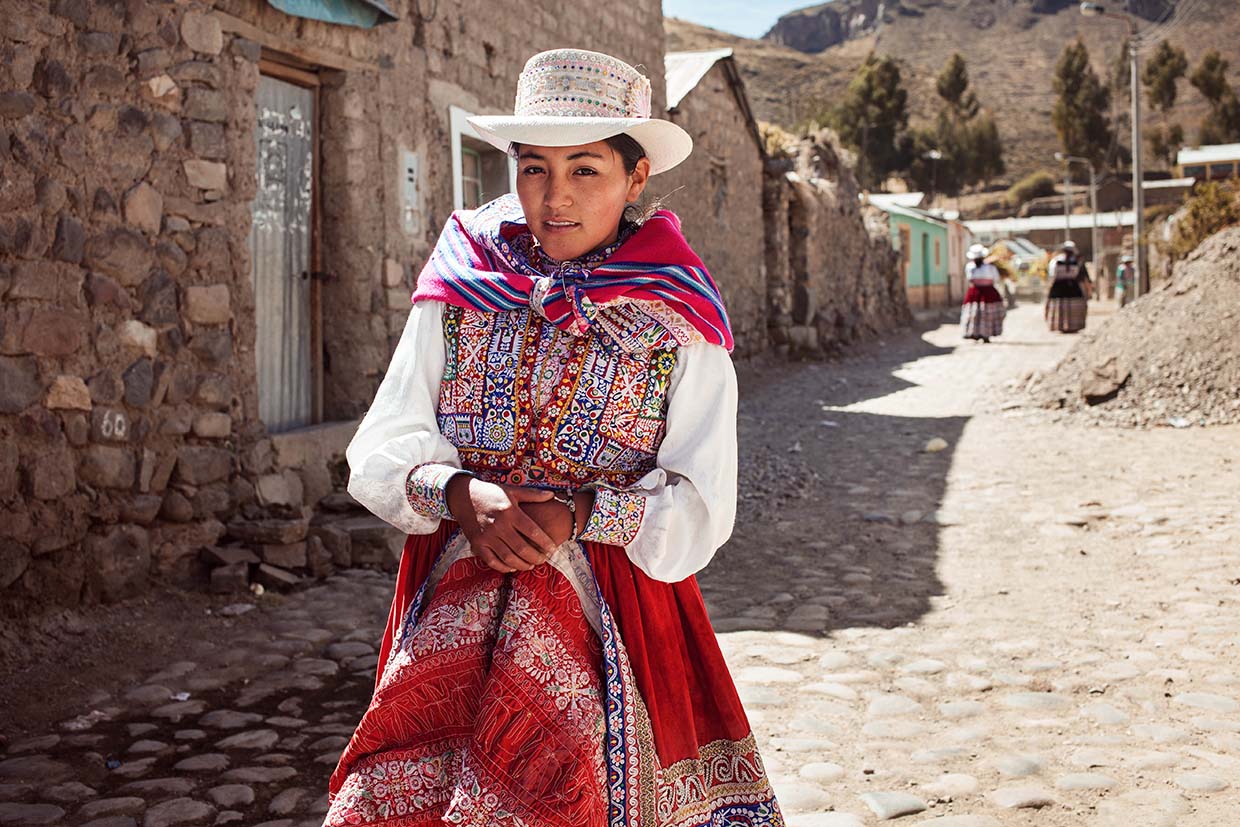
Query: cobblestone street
(1033, 624)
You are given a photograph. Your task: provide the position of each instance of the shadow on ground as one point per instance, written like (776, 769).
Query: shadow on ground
(838, 524)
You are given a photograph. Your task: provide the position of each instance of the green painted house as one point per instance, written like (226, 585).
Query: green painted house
(925, 259)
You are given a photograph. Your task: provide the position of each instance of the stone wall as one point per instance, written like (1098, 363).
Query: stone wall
(717, 193)
(130, 442)
(832, 275)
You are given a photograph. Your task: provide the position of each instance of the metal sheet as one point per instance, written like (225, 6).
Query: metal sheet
(363, 13)
(280, 237)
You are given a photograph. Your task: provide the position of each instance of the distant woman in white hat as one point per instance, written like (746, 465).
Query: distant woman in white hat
(1067, 303)
(1125, 280)
(981, 315)
(557, 435)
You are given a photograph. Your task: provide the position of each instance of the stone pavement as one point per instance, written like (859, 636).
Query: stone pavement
(1034, 625)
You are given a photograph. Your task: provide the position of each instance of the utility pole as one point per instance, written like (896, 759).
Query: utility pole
(1067, 204)
(1141, 285)
(1095, 249)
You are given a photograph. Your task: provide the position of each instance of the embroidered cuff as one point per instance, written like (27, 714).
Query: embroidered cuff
(426, 488)
(615, 518)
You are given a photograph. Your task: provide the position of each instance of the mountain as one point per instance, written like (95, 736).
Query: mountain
(1011, 47)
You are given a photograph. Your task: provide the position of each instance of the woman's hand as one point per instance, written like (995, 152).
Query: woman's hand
(557, 520)
(503, 535)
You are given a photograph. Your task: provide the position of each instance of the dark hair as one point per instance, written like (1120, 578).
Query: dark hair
(629, 150)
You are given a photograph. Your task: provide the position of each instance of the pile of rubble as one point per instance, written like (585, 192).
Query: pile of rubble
(285, 552)
(1172, 358)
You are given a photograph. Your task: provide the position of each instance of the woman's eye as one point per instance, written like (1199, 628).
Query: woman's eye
(586, 171)
(531, 171)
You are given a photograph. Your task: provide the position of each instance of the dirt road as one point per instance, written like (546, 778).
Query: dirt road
(1035, 625)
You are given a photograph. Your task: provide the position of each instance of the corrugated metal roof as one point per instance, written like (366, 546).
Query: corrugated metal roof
(908, 212)
(1077, 221)
(1168, 184)
(1208, 154)
(685, 70)
(899, 199)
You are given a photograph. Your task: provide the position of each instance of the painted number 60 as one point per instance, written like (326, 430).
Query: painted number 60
(114, 425)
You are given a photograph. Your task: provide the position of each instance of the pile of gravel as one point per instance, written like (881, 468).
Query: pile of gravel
(1170, 358)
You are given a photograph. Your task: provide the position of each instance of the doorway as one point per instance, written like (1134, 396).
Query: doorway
(284, 249)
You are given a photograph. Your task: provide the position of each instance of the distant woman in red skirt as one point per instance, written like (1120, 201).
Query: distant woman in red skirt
(557, 435)
(981, 315)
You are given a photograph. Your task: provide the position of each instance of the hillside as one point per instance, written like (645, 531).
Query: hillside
(1011, 47)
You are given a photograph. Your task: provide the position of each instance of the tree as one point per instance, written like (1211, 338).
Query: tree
(953, 87)
(1160, 78)
(1222, 124)
(963, 147)
(872, 119)
(1080, 112)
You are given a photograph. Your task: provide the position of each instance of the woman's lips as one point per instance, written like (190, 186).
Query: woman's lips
(560, 226)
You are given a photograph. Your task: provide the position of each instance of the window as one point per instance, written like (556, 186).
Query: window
(1195, 171)
(480, 172)
(471, 178)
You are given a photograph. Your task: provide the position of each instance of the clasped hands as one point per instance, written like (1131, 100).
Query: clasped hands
(511, 527)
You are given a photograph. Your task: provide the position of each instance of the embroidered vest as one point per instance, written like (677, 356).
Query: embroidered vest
(522, 411)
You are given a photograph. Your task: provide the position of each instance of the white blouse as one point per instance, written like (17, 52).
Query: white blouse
(986, 272)
(690, 498)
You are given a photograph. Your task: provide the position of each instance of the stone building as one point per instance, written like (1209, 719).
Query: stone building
(211, 214)
(832, 275)
(211, 217)
(717, 192)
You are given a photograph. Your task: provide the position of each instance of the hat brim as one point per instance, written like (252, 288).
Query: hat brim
(666, 144)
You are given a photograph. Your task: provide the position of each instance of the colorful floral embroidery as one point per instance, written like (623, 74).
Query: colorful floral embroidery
(615, 518)
(526, 403)
(426, 488)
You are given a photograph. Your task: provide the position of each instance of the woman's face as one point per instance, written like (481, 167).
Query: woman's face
(573, 196)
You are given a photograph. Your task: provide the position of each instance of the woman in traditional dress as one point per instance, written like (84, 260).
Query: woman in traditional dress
(1125, 280)
(981, 315)
(1067, 302)
(557, 435)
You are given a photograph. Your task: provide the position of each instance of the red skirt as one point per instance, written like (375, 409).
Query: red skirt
(525, 696)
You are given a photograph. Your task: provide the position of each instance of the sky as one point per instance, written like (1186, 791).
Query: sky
(749, 18)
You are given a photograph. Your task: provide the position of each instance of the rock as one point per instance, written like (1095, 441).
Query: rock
(1022, 797)
(70, 241)
(144, 208)
(229, 579)
(768, 675)
(53, 333)
(275, 532)
(889, 805)
(212, 345)
(55, 475)
(139, 336)
(106, 466)
(1019, 765)
(160, 300)
(162, 90)
(121, 253)
(177, 811)
(213, 425)
(951, 785)
(121, 560)
(202, 33)
(204, 762)
(19, 384)
(200, 465)
(29, 814)
(959, 821)
(278, 579)
(14, 105)
(206, 175)
(1207, 701)
(1040, 701)
(176, 508)
(1200, 782)
(68, 393)
(287, 801)
(165, 128)
(139, 379)
(935, 445)
(208, 305)
(141, 509)
(288, 556)
(231, 795)
(34, 769)
(1084, 781)
(280, 489)
(888, 705)
(259, 775)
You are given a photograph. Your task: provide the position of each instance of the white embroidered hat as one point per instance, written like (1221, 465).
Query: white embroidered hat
(977, 251)
(567, 97)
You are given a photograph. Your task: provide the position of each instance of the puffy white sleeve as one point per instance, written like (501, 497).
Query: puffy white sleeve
(674, 520)
(399, 463)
